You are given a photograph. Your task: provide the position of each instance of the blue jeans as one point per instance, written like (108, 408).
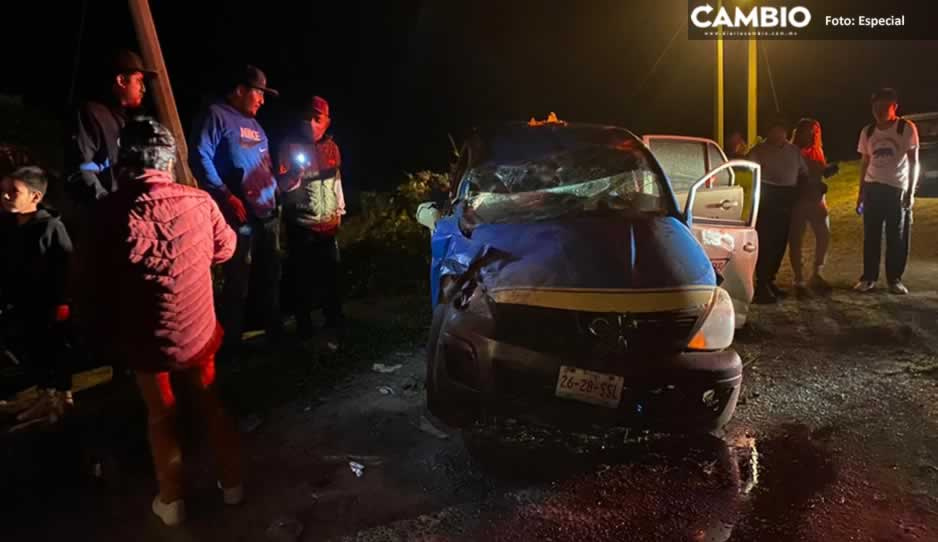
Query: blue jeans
(254, 269)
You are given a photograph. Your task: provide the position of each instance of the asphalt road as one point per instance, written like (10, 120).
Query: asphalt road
(835, 438)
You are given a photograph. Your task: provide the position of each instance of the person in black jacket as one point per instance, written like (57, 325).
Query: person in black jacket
(93, 148)
(36, 251)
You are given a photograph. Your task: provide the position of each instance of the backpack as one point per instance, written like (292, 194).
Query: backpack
(899, 129)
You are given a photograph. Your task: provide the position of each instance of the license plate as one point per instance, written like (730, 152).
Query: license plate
(589, 386)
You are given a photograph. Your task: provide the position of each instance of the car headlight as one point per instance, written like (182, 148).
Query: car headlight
(719, 324)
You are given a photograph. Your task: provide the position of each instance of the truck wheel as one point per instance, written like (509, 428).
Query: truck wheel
(433, 347)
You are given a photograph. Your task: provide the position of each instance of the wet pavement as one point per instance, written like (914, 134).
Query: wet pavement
(835, 438)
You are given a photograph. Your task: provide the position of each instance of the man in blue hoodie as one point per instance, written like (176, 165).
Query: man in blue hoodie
(231, 160)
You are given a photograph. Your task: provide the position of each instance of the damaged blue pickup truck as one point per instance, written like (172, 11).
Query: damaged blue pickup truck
(570, 290)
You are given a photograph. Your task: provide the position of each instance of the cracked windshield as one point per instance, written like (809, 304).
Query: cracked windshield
(534, 184)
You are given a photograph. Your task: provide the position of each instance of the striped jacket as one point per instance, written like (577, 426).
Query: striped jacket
(317, 202)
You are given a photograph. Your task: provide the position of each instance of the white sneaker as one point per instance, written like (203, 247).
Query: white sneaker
(232, 495)
(897, 288)
(865, 286)
(172, 514)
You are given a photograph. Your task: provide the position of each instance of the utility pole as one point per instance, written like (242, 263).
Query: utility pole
(753, 96)
(162, 91)
(718, 126)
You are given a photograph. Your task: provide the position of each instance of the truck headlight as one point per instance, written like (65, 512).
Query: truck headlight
(719, 324)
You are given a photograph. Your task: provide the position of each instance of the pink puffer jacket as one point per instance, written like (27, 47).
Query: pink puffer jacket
(156, 241)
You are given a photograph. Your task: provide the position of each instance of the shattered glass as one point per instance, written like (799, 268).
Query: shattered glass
(586, 178)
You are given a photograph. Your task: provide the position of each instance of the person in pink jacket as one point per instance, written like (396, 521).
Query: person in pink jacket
(154, 306)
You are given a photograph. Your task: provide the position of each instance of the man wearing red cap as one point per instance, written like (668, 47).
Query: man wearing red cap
(313, 211)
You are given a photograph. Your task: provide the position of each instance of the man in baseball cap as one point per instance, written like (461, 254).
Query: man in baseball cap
(231, 159)
(98, 123)
(313, 211)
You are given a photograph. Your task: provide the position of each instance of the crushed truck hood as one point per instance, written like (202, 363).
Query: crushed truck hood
(593, 263)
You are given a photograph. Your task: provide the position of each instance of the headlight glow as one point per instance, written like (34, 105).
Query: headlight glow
(716, 332)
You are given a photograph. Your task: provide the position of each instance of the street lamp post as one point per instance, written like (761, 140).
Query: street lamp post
(718, 126)
(753, 97)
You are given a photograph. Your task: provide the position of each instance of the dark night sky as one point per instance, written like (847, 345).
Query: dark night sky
(401, 74)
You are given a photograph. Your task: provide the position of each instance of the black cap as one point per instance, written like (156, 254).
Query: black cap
(125, 61)
(888, 94)
(253, 77)
(145, 132)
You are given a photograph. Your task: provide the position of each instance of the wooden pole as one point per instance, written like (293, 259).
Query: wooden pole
(162, 91)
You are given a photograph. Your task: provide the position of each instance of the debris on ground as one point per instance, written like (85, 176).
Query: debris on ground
(367, 460)
(412, 386)
(314, 402)
(285, 529)
(249, 423)
(385, 390)
(357, 468)
(385, 369)
(427, 427)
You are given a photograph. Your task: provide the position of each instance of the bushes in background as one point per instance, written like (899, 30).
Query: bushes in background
(384, 250)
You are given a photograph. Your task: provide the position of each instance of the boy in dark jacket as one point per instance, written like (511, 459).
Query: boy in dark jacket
(313, 211)
(34, 304)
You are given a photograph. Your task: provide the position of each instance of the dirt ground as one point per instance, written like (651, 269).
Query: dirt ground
(835, 438)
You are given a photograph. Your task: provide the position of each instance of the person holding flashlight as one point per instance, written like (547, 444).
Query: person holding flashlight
(313, 211)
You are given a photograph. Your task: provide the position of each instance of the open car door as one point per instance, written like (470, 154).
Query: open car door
(687, 159)
(731, 243)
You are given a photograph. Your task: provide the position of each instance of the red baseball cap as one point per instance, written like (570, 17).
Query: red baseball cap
(318, 107)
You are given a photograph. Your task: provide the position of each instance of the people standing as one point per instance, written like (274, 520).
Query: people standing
(889, 173)
(782, 164)
(231, 160)
(313, 212)
(810, 208)
(156, 241)
(93, 148)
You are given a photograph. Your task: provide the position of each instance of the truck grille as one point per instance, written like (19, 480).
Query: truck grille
(597, 335)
